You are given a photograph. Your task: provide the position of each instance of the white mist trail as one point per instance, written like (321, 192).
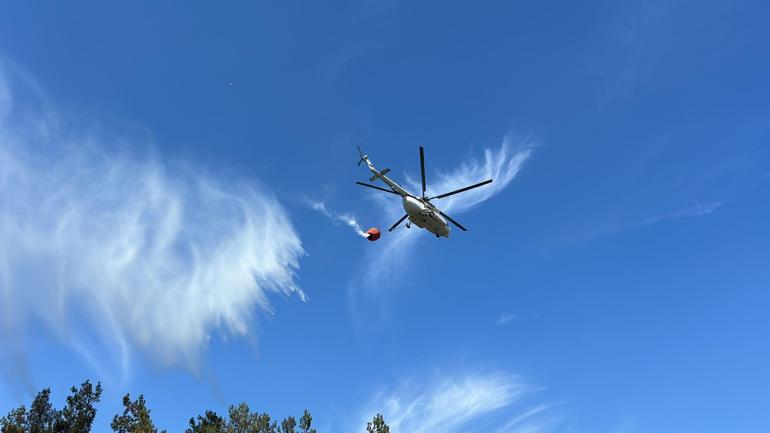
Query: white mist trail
(344, 218)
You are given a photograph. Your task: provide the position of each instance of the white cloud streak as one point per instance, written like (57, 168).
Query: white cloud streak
(502, 165)
(491, 402)
(505, 319)
(697, 209)
(123, 252)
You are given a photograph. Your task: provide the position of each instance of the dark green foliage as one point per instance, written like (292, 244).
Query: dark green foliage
(79, 413)
(208, 423)
(262, 424)
(289, 425)
(377, 425)
(242, 420)
(42, 417)
(135, 419)
(15, 421)
(305, 422)
(76, 417)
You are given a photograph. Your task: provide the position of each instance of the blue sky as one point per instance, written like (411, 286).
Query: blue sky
(159, 166)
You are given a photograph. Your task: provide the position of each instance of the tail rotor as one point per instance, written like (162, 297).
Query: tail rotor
(361, 154)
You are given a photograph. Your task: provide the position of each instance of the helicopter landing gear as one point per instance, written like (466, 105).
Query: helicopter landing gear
(408, 225)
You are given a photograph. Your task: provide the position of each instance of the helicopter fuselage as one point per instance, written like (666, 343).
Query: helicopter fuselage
(420, 213)
(425, 215)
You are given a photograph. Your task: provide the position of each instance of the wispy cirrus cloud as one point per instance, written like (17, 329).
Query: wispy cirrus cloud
(501, 164)
(505, 319)
(634, 44)
(694, 210)
(634, 52)
(114, 252)
(489, 402)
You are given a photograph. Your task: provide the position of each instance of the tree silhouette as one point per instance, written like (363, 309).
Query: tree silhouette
(305, 422)
(15, 421)
(377, 425)
(76, 417)
(42, 417)
(79, 412)
(289, 425)
(210, 422)
(135, 419)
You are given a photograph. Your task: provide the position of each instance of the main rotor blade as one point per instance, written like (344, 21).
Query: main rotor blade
(452, 221)
(377, 187)
(462, 189)
(397, 223)
(422, 169)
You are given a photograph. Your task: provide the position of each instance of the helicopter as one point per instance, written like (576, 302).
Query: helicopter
(419, 209)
